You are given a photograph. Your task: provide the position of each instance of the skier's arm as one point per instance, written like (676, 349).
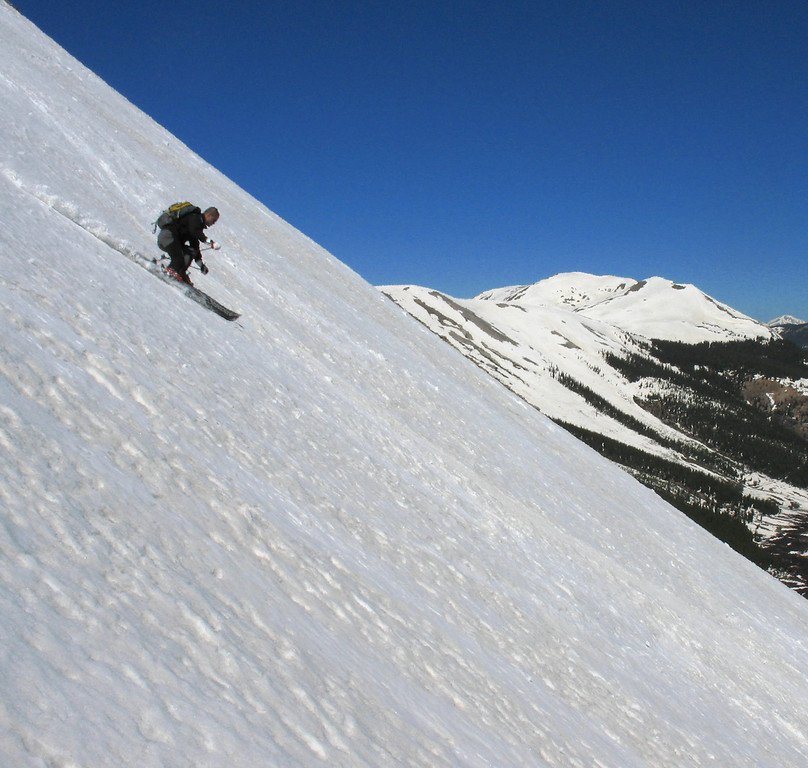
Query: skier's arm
(195, 237)
(193, 244)
(196, 234)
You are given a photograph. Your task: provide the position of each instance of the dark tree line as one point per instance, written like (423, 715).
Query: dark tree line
(716, 504)
(708, 403)
(704, 457)
(705, 400)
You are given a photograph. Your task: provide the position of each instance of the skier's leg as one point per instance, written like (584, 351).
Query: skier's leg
(188, 256)
(178, 267)
(181, 255)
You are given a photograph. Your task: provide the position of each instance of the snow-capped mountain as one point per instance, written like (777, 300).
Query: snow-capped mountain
(570, 290)
(785, 320)
(525, 335)
(317, 536)
(655, 308)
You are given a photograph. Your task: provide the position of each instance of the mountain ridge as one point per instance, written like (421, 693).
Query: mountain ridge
(654, 307)
(785, 320)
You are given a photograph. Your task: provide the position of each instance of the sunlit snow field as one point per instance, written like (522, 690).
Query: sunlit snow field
(318, 535)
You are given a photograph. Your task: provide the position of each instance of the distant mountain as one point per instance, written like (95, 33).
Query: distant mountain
(785, 321)
(791, 328)
(716, 425)
(570, 290)
(655, 308)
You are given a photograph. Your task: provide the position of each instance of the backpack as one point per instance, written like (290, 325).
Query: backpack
(171, 215)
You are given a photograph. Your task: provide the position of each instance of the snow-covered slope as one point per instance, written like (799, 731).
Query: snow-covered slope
(660, 309)
(317, 536)
(533, 349)
(655, 308)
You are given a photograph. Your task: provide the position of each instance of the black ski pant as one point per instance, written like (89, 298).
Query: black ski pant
(181, 254)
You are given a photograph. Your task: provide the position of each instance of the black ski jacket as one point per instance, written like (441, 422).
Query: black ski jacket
(190, 229)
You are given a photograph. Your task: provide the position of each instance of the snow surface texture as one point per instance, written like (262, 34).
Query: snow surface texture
(317, 536)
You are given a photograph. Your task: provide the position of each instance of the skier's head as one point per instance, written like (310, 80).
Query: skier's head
(211, 216)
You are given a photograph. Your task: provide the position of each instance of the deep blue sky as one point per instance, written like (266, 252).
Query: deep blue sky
(470, 145)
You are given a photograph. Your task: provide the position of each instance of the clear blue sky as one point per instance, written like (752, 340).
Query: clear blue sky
(469, 145)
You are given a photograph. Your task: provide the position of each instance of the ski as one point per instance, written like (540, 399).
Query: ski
(192, 292)
(200, 297)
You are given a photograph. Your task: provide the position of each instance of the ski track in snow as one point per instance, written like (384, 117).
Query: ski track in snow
(317, 536)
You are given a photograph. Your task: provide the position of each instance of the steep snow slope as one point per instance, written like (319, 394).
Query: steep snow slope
(316, 536)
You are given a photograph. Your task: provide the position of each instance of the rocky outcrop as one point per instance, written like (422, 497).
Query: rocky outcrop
(782, 400)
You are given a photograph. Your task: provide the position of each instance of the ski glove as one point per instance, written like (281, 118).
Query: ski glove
(214, 245)
(203, 267)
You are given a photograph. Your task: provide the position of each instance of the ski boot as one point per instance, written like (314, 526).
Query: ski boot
(181, 276)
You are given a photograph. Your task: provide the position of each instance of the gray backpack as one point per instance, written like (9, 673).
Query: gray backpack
(171, 215)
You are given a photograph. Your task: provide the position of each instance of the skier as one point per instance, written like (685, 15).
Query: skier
(180, 235)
